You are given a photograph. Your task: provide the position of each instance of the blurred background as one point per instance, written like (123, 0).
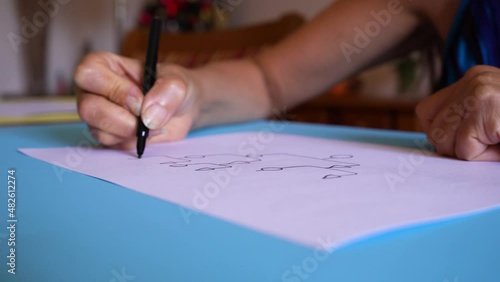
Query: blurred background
(42, 42)
(94, 25)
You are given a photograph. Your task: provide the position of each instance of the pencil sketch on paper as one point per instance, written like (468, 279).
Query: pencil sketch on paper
(334, 166)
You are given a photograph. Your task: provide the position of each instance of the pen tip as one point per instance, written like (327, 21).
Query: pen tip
(141, 144)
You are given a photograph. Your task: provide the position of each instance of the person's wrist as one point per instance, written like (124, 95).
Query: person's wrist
(201, 101)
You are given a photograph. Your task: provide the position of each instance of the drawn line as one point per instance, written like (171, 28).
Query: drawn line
(192, 160)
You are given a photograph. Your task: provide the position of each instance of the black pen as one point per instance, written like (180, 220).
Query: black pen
(149, 79)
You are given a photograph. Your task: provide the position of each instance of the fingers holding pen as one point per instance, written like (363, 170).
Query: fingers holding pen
(117, 142)
(164, 100)
(176, 129)
(110, 98)
(104, 115)
(112, 78)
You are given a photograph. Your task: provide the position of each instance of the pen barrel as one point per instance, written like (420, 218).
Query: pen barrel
(149, 79)
(142, 130)
(152, 55)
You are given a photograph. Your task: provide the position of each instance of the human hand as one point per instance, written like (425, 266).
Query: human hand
(463, 120)
(110, 100)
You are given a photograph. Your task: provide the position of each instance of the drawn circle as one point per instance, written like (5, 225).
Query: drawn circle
(342, 166)
(341, 157)
(271, 169)
(238, 162)
(195, 157)
(205, 169)
(254, 156)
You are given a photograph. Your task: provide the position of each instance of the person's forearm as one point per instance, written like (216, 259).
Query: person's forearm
(232, 91)
(307, 63)
(331, 47)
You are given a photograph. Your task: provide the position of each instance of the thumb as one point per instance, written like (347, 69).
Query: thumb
(163, 100)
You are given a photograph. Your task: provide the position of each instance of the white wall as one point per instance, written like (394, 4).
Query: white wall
(83, 22)
(254, 11)
(77, 22)
(10, 63)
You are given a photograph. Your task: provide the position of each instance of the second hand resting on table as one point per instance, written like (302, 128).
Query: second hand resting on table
(461, 121)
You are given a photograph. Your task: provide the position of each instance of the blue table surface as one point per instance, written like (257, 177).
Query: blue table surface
(78, 228)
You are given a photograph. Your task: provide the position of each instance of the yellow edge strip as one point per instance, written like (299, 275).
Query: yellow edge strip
(47, 118)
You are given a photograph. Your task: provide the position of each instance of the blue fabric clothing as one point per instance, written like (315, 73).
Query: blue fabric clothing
(474, 39)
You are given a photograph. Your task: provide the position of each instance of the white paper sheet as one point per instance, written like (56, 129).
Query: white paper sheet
(316, 192)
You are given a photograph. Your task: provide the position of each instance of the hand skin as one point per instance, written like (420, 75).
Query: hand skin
(463, 120)
(110, 100)
(306, 63)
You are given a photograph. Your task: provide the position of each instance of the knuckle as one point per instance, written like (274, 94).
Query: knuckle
(482, 86)
(484, 76)
(171, 90)
(483, 91)
(476, 71)
(82, 72)
(88, 68)
(176, 75)
(177, 86)
(116, 93)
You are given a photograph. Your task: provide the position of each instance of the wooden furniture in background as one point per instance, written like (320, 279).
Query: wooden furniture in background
(196, 49)
(353, 110)
(34, 51)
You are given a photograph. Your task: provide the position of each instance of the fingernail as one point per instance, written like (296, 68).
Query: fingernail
(154, 116)
(134, 105)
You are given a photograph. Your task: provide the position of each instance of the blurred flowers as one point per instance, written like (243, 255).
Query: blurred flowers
(180, 15)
